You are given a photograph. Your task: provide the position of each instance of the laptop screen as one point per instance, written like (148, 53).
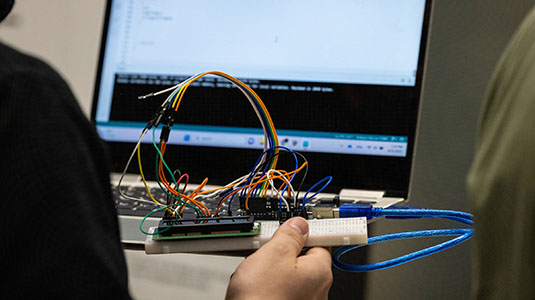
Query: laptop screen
(341, 81)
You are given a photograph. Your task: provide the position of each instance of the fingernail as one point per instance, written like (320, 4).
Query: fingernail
(299, 224)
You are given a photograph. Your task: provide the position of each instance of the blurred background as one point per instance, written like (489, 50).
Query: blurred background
(466, 39)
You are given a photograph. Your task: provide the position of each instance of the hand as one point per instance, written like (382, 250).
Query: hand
(276, 271)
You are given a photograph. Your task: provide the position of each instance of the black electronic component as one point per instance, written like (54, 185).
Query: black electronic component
(168, 118)
(268, 209)
(156, 118)
(164, 135)
(210, 225)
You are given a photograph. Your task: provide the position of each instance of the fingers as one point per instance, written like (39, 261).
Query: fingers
(320, 257)
(289, 239)
(276, 272)
(316, 263)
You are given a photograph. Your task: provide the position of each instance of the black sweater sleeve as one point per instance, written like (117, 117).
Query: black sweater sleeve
(61, 236)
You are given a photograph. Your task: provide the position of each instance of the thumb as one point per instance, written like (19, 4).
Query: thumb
(290, 238)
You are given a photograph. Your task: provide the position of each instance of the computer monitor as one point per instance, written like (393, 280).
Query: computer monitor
(341, 79)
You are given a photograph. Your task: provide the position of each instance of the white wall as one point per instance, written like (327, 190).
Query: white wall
(65, 33)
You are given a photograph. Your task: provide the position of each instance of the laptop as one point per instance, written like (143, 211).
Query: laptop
(342, 82)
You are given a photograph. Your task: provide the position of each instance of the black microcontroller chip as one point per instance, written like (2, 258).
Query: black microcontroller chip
(268, 209)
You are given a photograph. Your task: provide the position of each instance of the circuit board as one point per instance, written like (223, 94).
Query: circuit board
(200, 229)
(322, 232)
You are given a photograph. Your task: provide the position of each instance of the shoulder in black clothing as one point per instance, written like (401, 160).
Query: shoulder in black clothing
(62, 236)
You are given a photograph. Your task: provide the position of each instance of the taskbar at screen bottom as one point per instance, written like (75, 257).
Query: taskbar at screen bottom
(359, 145)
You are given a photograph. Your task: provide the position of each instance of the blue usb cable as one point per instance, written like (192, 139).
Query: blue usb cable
(358, 210)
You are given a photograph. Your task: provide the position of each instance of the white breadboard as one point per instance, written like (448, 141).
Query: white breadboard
(322, 232)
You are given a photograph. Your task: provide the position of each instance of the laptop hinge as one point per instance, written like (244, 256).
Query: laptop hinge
(375, 198)
(360, 194)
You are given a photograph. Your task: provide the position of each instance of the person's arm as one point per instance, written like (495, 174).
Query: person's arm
(57, 199)
(276, 271)
(501, 182)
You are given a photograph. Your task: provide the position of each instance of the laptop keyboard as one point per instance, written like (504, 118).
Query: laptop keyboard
(128, 207)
